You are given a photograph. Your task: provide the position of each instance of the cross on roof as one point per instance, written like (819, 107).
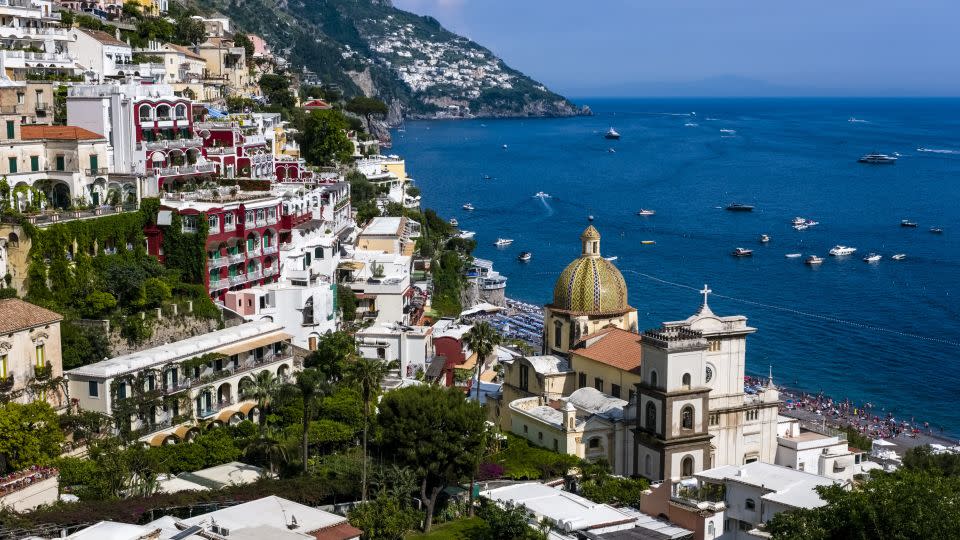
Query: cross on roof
(705, 292)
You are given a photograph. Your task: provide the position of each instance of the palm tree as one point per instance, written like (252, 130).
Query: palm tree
(263, 389)
(481, 339)
(311, 385)
(367, 374)
(270, 445)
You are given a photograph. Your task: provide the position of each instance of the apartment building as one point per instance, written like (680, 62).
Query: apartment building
(29, 352)
(33, 41)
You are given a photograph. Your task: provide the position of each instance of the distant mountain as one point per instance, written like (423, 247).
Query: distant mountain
(409, 61)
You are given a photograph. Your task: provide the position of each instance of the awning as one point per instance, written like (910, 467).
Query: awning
(247, 407)
(351, 265)
(160, 438)
(246, 346)
(181, 432)
(469, 363)
(226, 414)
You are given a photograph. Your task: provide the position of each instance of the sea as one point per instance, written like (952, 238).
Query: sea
(887, 333)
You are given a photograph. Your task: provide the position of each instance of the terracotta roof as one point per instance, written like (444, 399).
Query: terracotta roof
(614, 347)
(340, 531)
(16, 315)
(317, 104)
(104, 37)
(60, 133)
(187, 51)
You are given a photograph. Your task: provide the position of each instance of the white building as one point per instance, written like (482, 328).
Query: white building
(823, 454)
(409, 346)
(101, 55)
(32, 40)
(381, 282)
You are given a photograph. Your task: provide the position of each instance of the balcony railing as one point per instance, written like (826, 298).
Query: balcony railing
(256, 274)
(218, 262)
(255, 252)
(269, 271)
(42, 373)
(269, 250)
(236, 257)
(245, 366)
(178, 170)
(214, 408)
(6, 383)
(99, 171)
(174, 143)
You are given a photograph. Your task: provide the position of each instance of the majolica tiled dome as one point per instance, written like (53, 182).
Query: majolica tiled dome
(590, 284)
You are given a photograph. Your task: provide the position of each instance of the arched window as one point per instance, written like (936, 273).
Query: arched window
(750, 504)
(686, 417)
(181, 111)
(145, 112)
(557, 334)
(163, 112)
(653, 378)
(686, 380)
(686, 466)
(651, 421)
(308, 311)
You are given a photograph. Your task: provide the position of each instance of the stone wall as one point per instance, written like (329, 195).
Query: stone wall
(165, 330)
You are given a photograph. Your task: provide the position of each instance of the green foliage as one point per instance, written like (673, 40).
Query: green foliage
(447, 284)
(99, 304)
(135, 330)
(242, 40)
(31, 435)
(186, 252)
(435, 432)
(7, 292)
(368, 108)
(207, 449)
(325, 139)
(522, 461)
(600, 486)
(923, 459)
(82, 346)
(510, 522)
(857, 439)
(384, 518)
(333, 350)
(276, 88)
(347, 301)
(341, 472)
(156, 292)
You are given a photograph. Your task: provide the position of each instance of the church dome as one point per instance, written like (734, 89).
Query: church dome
(590, 284)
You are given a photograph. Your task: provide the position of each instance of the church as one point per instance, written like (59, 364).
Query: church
(680, 385)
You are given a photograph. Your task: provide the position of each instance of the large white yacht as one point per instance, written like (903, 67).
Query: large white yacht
(839, 251)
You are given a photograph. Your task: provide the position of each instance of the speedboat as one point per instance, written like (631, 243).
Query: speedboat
(839, 251)
(742, 252)
(908, 223)
(801, 227)
(454, 222)
(792, 255)
(611, 259)
(764, 238)
(466, 235)
(468, 206)
(813, 260)
(899, 256)
(541, 195)
(648, 242)
(487, 177)
(612, 134)
(611, 150)
(936, 230)
(524, 256)
(504, 147)
(728, 131)
(645, 212)
(878, 159)
(799, 221)
(738, 207)
(590, 217)
(811, 223)
(872, 257)
(501, 242)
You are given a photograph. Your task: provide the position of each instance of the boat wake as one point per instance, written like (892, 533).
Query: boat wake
(853, 120)
(938, 151)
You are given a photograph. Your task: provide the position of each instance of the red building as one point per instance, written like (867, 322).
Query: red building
(164, 131)
(239, 151)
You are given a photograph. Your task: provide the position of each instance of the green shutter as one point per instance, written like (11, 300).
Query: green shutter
(34, 163)
(93, 164)
(10, 130)
(61, 163)
(12, 162)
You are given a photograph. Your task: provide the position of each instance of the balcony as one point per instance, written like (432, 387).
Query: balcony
(269, 271)
(175, 143)
(213, 409)
(221, 150)
(256, 274)
(255, 252)
(42, 373)
(218, 262)
(249, 364)
(183, 170)
(6, 384)
(269, 250)
(702, 495)
(24, 59)
(236, 257)
(99, 171)
(236, 280)
(11, 109)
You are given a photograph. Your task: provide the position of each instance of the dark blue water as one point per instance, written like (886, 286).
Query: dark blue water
(888, 333)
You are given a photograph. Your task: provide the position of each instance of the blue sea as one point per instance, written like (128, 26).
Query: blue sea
(887, 333)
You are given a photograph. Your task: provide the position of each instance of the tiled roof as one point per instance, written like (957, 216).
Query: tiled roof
(185, 50)
(340, 531)
(104, 37)
(60, 133)
(15, 315)
(614, 347)
(316, 104)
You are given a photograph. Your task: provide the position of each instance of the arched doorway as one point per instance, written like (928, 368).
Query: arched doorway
(686, 466)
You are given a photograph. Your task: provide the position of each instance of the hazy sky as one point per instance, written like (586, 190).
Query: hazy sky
(643, 47)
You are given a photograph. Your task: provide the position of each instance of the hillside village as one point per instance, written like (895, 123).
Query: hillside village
(225, 312)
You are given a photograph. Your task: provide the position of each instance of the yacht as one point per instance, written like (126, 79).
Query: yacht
(468, 206)
(908, 223)
(878, 159)
(612, 134)
(648, 242)
(738, 207)
(792, 255)
(742, 252)
(801, 227)
(645, 212)
(872, 257)
(466, 235)
(813, 260)
(899, 256)
(839, 251)
(936, 230)
(501, 242)
(764, 238)
(454, 222)
(799, 221)
(524, 256)
(541, 195)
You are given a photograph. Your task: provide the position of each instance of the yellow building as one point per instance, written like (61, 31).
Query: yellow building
(608, 361)
(29, 353)
(547, 377)
(589, 295)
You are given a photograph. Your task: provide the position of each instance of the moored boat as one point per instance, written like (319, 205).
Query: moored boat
(611, 259)
(466, 235)
(738, 207)
(899, 256)
(524, 256)
(503, 242)
(872, 257)
(468, 207)
(646, 212)
(742, 252)
(936, 230)
(839, 251)
(611, 134)
(454, 222)
(908, 223)
(878, 159)
(813, 260)
(648, 242)
(792, 255)
(764, 238)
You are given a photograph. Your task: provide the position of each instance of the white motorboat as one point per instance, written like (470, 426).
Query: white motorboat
(541, 195)
(466, 235)
(899, 256)
(611, 259)
(872, 257)
(524, 256)
(801, 227)
(611, 151)
(454, 222)
(742, 252)
(468, 207)
(936, 230)
(612, 134)
(878, 159)
(813, 260)
(840, 251)
(646, 212)
(501, 242)
(764, 238)
(792, 255)
(728, 132)
(799, 221)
